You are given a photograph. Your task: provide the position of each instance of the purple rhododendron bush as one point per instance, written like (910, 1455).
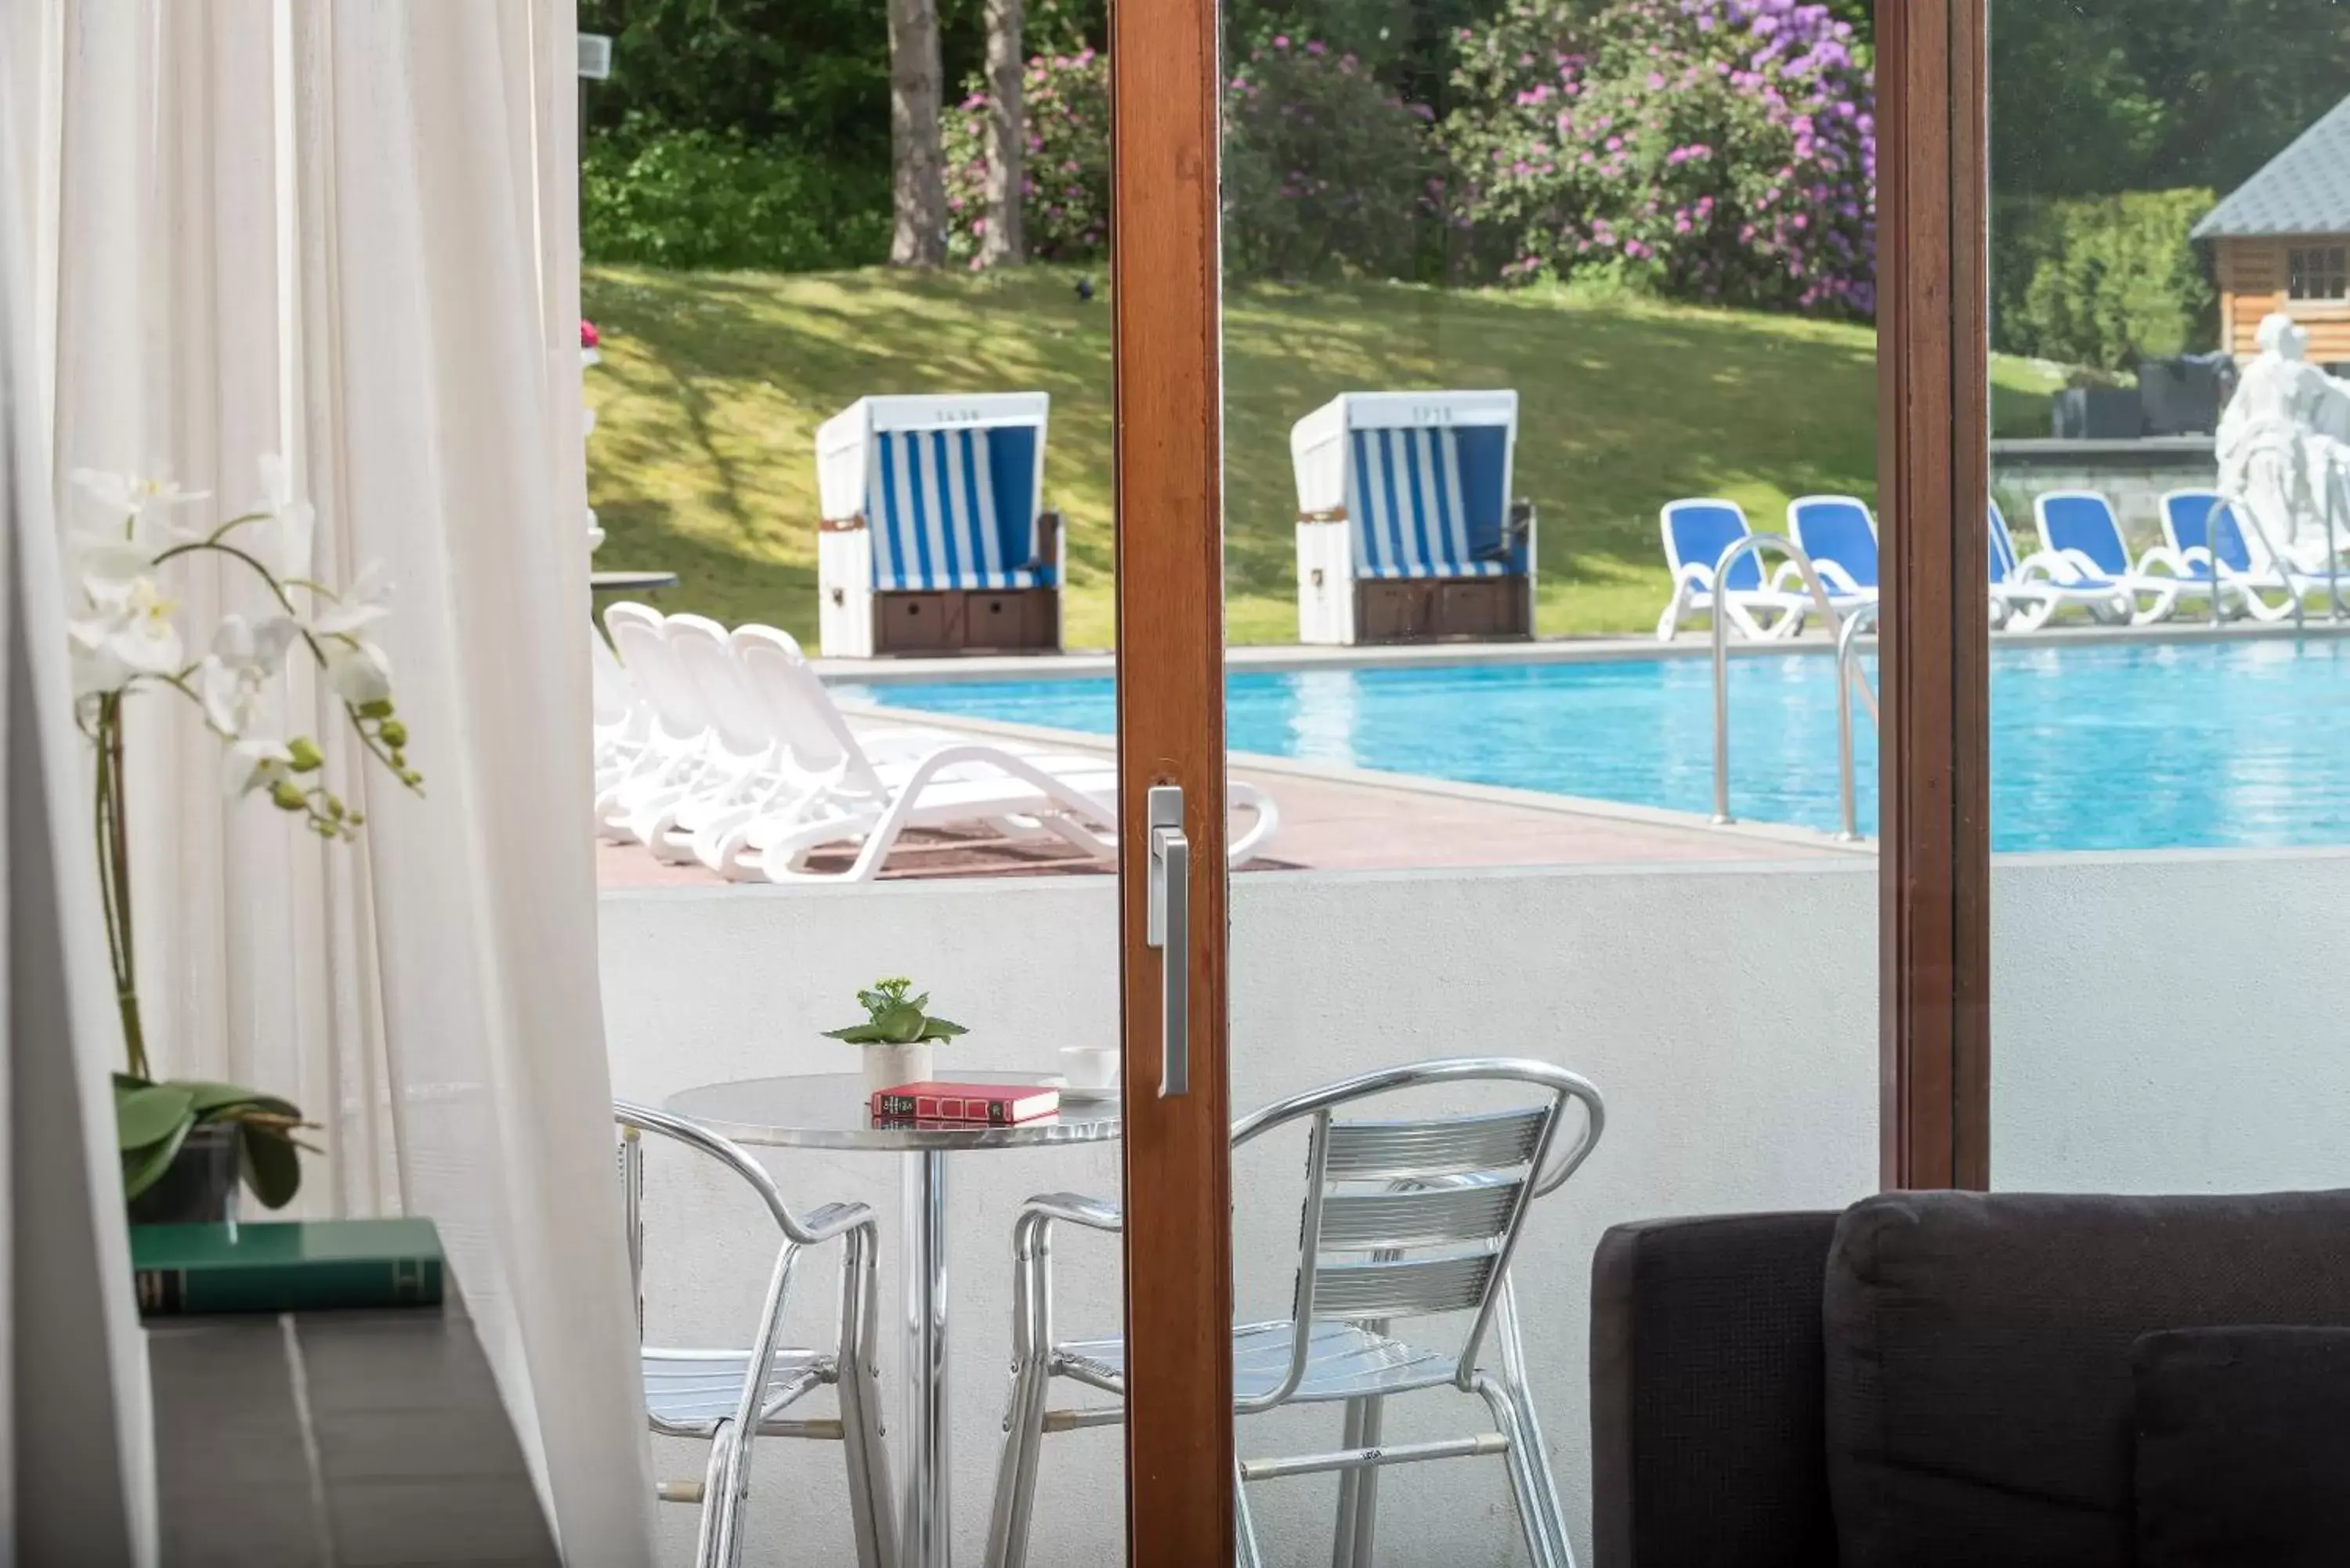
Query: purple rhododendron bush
(1714, 149)
(1065, 101)
(1722, 150)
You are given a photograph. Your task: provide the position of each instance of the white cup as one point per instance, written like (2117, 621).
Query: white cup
(1090, 1066)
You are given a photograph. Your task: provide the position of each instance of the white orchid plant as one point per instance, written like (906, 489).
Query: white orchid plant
(125, 636)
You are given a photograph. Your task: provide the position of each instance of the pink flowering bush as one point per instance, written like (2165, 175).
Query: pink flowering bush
(1715, 149)
(1326, 171)
(1065, 99)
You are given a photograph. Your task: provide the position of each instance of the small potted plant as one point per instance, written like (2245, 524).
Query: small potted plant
(187, 1146)
(897, 1034)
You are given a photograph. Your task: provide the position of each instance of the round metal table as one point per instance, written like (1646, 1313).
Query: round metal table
(828, 1111)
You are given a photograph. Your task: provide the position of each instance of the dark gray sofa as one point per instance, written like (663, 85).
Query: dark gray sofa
(1951, 1378)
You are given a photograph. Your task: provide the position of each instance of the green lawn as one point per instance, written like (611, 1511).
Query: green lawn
(713, 386)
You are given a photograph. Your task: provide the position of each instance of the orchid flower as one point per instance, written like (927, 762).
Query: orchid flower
(367, 599)
(122, 635)
(358, 671)
(290, 523)
(128, 627)
(259, 763)
(233, 680)
(138, 510)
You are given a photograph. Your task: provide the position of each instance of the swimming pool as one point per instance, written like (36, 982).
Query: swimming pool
(2094, 746)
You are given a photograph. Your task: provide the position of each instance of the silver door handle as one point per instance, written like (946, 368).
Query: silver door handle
(1169, 930)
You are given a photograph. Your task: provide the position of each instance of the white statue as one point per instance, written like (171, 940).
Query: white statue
(2284, 452)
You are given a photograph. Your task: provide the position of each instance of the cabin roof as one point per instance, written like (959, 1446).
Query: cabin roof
(2304, 190)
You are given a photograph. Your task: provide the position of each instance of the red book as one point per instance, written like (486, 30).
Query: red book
(999, 1105)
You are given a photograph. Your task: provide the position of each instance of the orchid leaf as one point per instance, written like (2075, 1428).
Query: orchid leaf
(148, 1113)
(270, 1163)
(212, 1098)
(143, 1168)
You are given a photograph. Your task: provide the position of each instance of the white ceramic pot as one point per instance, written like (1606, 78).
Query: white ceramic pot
(887, 1067)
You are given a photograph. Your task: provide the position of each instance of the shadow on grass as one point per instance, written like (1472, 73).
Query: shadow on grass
(712, 579)
(715, 383)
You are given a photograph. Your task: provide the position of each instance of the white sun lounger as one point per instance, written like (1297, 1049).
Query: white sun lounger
(869, 794)
(674, 753)
(1838, 533)
(2079, 528)
(1697, 533)
(2190, 518)
(2024, 593)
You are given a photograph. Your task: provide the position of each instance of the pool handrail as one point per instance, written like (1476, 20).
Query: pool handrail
(1810, 573)
(1848, 672)
(2238, 507)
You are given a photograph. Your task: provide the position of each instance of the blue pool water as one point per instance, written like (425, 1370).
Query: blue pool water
(2141, 746)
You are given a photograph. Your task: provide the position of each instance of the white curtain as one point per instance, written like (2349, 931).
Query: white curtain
(77, 1463)
(348, 232)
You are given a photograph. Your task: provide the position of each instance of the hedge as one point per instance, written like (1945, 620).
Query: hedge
(689, 199)
(2102, 281)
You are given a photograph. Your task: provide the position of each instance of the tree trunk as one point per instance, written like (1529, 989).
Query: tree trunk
(919, 193)
(1005, 244)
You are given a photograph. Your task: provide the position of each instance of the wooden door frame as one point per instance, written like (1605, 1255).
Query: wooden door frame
(1933, 485)
(1166, 304)
(1933, 482)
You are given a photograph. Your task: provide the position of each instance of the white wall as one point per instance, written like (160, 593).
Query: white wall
(1728, 1014)
(2171, 1023)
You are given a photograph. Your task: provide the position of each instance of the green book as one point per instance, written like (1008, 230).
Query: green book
(285, 1266)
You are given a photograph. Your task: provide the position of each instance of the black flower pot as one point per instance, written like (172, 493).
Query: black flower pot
(200, 1187)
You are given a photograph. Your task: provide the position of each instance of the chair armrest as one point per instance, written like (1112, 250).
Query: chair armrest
(835, 1220)
(1516, 528)
(2046, 565)
(1047, 542)
(823, 1225)
(1093, 1213)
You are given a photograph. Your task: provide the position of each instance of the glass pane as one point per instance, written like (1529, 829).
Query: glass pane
(1614, 263)
(900, 469)
(2168, 764)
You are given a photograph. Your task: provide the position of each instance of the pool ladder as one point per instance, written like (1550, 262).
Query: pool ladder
(1848, 676)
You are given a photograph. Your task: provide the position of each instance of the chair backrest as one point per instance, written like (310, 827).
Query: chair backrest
(1418, 1217)
(633, 1121)
(801, 711)
(949, 487)
(1699, 533)
(1421, 479)
(1837, 528)
(618, 702)
(2003, 547)
(737, 718)
(645, 653)
(2082, 521)
(2188, 520)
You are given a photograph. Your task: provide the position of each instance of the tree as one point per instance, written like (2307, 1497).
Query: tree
(2096, 97)
(918, 235)
(1005, 244)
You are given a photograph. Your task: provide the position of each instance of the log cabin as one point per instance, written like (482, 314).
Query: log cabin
(2281, 243)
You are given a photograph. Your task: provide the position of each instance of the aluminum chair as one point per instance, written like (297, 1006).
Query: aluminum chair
(1402, 1219)
(707, 1395)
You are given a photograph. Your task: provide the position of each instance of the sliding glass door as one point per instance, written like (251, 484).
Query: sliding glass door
(1458, 346)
